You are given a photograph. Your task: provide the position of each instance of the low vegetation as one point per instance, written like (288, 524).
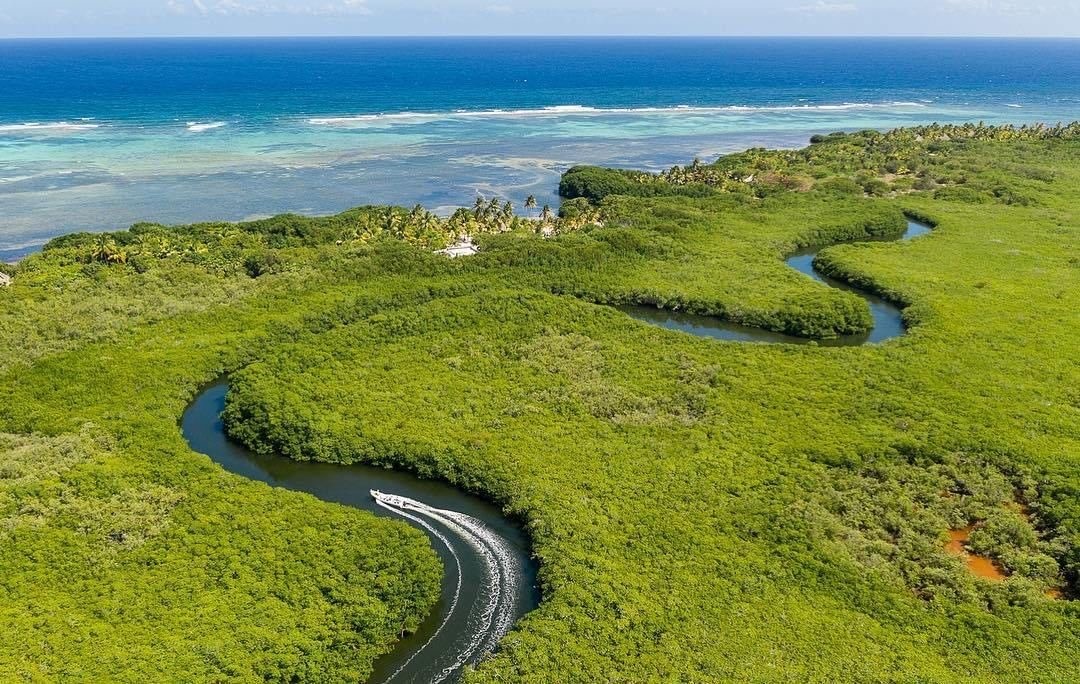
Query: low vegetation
(868, 162)
(702, 511)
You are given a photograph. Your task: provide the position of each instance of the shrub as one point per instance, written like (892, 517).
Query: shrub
(840, 185)
(140, 263)
(575, 208)
(876, 187)
(262, 263)
(925, 183)
(595, 183)
(961, 194)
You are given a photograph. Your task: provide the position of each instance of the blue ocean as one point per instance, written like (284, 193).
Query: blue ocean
(98, 134)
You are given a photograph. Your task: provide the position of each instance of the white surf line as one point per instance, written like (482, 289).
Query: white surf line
(497, 615)
(583, 110)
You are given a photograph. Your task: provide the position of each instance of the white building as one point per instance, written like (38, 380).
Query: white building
(463, 248)
(5, 279)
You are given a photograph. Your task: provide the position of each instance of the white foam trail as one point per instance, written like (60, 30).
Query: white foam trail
(495, 614)
(457, 588)
(197, 127)
(580, 110)
(55, 127)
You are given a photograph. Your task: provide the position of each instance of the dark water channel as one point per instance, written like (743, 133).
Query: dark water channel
(888, 319)
(490, 576)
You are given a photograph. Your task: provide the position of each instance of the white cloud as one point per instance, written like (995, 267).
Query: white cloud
(826, 7)
(228, 8)
(183, 7)
(1013, 9)
(968, 4)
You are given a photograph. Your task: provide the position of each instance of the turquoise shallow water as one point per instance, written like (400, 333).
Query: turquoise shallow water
(99, 134)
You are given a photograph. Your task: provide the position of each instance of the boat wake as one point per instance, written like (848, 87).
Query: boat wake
(492, 614)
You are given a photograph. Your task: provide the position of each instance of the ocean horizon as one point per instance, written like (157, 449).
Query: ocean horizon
(97, 134)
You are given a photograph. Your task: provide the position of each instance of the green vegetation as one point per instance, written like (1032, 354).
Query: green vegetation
(868, 162)
(703, 511)
(255, 248)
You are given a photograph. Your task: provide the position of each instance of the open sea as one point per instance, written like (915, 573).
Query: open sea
(98, 134)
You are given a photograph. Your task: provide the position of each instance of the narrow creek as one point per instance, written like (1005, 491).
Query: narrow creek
(490, 578)
(888, 318)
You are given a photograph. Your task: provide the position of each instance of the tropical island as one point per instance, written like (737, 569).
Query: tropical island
(699, 509)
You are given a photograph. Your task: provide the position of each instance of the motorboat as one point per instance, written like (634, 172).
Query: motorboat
(390, 499)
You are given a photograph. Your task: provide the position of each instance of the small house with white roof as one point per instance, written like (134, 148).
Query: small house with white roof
(464, 247)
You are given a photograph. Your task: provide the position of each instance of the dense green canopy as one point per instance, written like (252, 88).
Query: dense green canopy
(703, 511)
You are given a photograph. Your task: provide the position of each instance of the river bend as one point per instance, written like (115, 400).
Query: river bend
(888, 318)
(490, 578)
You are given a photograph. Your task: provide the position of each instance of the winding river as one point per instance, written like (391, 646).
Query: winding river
(490, 579)
(888, 318)
(490, 576)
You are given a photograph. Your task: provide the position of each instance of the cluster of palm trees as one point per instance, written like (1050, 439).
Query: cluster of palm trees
(546, 215)
(907, 149)
(417, 226)
(981, 131)
(157, 244)
(495, 216)
(487, 216)
(694, 174)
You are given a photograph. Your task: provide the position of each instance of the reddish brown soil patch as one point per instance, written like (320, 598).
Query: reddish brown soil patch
(981, 566)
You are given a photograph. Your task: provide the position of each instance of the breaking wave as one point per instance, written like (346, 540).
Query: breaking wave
(580, 110)
(199, 127)
(53, 127)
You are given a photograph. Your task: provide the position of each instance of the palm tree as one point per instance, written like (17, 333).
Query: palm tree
(546, 214)
(458, 224)
(530, 204)
(507, 215)
(433, 228)
(478, 207)
(392, 222)
(105, 250)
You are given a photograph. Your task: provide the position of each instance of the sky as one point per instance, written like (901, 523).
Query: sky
(48, 18)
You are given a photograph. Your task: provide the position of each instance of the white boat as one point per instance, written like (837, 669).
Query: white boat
(389, 499)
